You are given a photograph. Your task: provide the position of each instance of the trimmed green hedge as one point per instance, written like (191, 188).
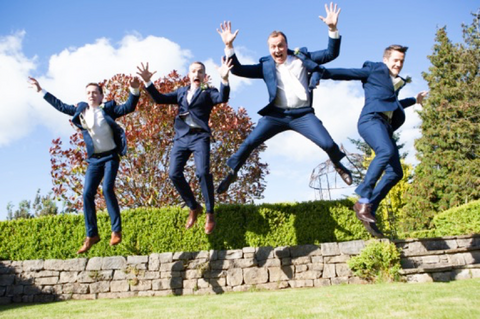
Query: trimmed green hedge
(461, 220)
(152, 230)
(156, 230)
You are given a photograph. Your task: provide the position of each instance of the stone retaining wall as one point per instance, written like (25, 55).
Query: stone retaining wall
(213, 272)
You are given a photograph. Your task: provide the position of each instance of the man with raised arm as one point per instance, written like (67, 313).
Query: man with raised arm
(290, 77)
(105, 141)
(192, 133)
(382, 114)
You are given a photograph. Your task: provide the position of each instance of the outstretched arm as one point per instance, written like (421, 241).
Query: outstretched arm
(34, 84)
(130, 105)
(421, 96)
(144, 73)
(56, 103)
(226, 34)
(348, 74)
(224, 93)
(331, 18)
(224, 69)
(134, 83)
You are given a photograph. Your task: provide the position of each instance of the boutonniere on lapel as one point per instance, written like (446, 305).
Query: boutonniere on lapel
(408, 79)
(204, 86)
(296, 51)
(102, 106)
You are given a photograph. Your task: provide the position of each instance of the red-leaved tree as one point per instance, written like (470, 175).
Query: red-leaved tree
(142, 179)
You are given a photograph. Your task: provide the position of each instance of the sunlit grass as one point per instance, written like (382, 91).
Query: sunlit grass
(457, 299)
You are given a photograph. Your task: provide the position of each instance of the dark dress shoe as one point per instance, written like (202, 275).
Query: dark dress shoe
(364, 212)
(88, 243)
(373, 229)
(116, 238)
(344, 173)
(192, 217)
(209, 223)
(223, 187)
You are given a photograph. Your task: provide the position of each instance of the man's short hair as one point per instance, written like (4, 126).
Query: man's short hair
(200, 63)
(394, 47)
(275, 34)
(100, 89)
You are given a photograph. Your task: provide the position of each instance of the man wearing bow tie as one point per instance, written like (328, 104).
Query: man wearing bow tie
(192, 133)
(105, 140)
(290, 77)
(381, 115)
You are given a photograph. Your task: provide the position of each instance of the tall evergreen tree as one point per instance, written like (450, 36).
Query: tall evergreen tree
(448, 150)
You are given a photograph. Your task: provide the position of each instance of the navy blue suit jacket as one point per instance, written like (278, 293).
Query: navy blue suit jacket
(380, 95)
(199, 108)
(266, 69)
(110, 110)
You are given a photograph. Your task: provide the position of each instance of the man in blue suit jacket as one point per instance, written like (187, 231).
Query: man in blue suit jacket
(381, 115)
(290, 77)
(192, 133)
(105, 141)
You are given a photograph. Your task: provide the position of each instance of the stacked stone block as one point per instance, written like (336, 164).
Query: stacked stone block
(214, 272)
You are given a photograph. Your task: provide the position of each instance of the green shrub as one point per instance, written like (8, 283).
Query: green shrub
(379, 261)
(157, 230)
(462, 220)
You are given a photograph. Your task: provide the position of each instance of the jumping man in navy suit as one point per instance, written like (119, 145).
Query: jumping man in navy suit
(192, 133)
(381, 115)
(290, 77)
(105, 141)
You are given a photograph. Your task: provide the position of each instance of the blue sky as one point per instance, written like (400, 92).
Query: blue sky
(66, 44)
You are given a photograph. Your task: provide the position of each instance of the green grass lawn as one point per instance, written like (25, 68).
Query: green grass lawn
(456, 299)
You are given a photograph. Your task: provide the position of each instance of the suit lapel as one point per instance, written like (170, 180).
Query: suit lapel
(195, 96)
(270, 74)
(389, 82)
(78, 113)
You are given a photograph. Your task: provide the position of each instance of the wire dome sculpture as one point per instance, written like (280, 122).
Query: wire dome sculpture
(324, 178)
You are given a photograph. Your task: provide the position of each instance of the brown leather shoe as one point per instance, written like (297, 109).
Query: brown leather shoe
(364, 212)
(344, 173)
(88, 243)
(116, 238)
(192, 217)
(209, 223)
(373, 229)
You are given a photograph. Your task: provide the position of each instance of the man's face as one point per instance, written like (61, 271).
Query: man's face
(395, 62)
(94, 97)
(278, 49)
(196, 74)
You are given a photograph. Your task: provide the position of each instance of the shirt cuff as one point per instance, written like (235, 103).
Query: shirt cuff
(334, 34)
(135, 91)
(43, 92)
(229, 52)
(147, 84)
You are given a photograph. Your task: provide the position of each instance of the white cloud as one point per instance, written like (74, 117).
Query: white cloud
(17, 118)
(68, 73)
(337, 105)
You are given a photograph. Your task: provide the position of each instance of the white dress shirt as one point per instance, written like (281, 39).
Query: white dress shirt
(92, 119)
